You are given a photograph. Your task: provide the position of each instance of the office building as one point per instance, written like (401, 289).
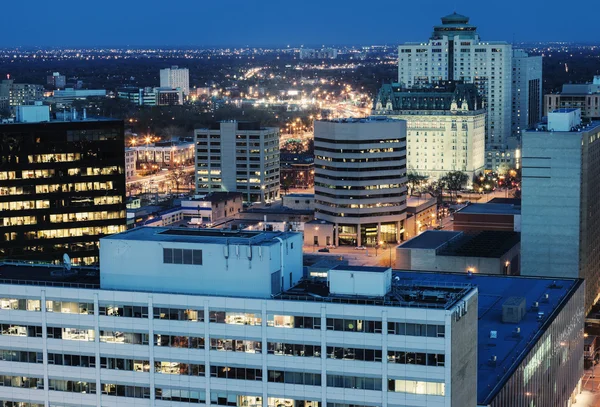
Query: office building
(445, 127)
(35, 113)
(222, 317)
(526, 91)
(489, 252)
(56, 80)
(209, 316)
(360, 177)
(323, 53)
(455, 52)
(560, 223)
(69, 95)
(297, 170)
(241, 157)
(168, 96)
(20, 93)
(175, 78)
(138, 96)
(62, 187)
(585, 96)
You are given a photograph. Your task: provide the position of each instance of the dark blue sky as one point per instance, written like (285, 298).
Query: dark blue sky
(281, 22)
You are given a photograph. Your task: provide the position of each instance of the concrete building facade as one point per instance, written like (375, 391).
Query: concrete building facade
(175, 78)
(526, 91)
(360, 177)
(561, 201)
(233, 327)
(241, 157)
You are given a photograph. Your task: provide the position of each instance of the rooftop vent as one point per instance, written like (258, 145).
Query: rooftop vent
(540, 316)
(493, 360)
(517, 332)
(546, 298)
(535, 306)
(493, 334)
(513, 310)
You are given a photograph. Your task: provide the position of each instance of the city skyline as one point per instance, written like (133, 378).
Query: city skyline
(283, 25)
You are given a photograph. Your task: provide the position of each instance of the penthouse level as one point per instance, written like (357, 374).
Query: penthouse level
(125, 344)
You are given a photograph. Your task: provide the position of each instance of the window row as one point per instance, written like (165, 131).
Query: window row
(8, 403)
(353, 325)
(21, 381)
(235, 345)
(72, 386)
(367, 355)
(401, 328)
(70, 307)
(182, 256)
(132, 338)
(21, 304)
(239, 373)
(131, 365)
(293, 321)
(179, 368)
(305, 378)
(72, 334)
(417, 387)
(235, 318)
(130, 311)
(416, 358)
(71, 360)
(186, 396)
(294, 349)
(178, 314)
(21, 356)
(31, 331)
(354, 382)
(120, 390)
(176, 341)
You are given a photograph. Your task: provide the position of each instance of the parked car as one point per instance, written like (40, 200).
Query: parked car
(324, 250)
(360, 248)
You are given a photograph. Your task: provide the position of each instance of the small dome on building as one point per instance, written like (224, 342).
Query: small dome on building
(455, 18)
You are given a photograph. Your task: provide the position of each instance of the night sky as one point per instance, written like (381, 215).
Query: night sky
(280, 22)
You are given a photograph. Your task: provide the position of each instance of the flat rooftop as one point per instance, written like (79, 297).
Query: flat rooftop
(414, 201)
(430, 239)
(190, 235)
(509, 349)
(566, 110)
(489, 243)
(365, 269)
(491, 209)
(583, 127)
(34, 273)
(299, 195)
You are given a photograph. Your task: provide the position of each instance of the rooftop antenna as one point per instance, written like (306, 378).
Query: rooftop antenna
(67, 262)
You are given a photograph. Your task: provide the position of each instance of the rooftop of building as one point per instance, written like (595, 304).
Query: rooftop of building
(492, 209)
(241, 125)
(189, 235)
(218, 196)
(509, 348)
(510, 201)
(368, 119)
(415, 202)
(414, 294)
(452, 96)
(45, 274)
(489, 244)
(430, 239)
(298, 195)
(583, 127)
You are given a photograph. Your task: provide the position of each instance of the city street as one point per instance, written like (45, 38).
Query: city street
(158, 177)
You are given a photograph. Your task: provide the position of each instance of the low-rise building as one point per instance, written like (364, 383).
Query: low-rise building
(319, 233)
(297, 171)
(68, 95)
(421, 213)
(489, 216)
(490, 252)
(305, 202)
(17, 94)
(165, 154)
(584, 96)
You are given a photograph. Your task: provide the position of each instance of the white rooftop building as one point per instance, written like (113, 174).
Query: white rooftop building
(205, 316)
